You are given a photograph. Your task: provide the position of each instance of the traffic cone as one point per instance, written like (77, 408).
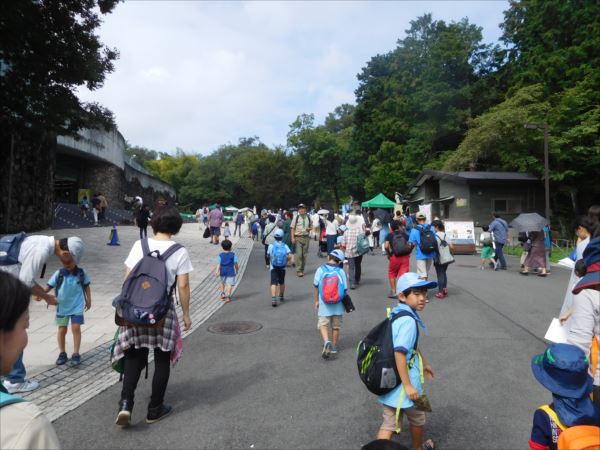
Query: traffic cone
(113, 237)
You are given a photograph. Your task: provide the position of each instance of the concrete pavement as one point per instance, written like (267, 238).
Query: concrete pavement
(105, 267)
(271, 389)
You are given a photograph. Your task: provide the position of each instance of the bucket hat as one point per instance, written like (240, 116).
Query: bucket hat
(563, 370)
(75, 246)
(591, 258)
(337, 254)
(421, 215)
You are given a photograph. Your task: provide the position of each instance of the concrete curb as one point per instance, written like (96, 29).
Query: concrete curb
(64, 388)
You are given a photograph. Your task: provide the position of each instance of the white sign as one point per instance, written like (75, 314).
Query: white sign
(557, 333)
(460, 229)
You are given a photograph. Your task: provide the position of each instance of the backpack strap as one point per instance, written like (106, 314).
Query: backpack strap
(145, 246)
(168, 252)
(8, 399)
(408, 314)
(552, 414)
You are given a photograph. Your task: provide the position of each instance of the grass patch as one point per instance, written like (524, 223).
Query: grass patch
(557, 253)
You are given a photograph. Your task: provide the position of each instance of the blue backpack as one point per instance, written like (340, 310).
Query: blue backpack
(10, 246)
(9, 399)
(145, 297)
(279, 255)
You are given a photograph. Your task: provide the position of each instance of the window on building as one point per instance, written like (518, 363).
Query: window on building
(500, 205)
(511, 206)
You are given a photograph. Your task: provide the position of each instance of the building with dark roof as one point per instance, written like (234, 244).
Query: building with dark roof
(475, 195)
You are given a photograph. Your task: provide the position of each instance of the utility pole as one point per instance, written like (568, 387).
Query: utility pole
(535, 126)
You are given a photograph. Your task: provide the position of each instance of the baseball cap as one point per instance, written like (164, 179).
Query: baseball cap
(301, 205)
(75, 245)
(421, 215)
(278, 234)
(337, 254)
(411, 280)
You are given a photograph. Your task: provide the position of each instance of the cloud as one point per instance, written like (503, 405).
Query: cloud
(197, 75)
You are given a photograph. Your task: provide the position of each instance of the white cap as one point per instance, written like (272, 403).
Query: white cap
(75, 245)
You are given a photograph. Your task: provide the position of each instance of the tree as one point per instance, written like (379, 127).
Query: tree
(140, 154)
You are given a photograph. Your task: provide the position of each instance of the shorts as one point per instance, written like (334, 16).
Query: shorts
(228, 280)
(423, 267)
(277, 276)
(487, 252)
(215, 231)
(398, 266)
(63, 321)
(415, 417)
(335, 321)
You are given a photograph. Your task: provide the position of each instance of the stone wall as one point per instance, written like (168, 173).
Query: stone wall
(107, 179)
(26, 183)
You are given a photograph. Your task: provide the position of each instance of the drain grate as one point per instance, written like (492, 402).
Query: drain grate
(466, 265)
(235, 327)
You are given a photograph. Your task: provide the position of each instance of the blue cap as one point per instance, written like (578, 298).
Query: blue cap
(337, 254)
(411, 280)
(278, 234)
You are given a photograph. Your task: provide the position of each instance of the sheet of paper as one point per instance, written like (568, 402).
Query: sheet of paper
(557, 333)
(567, 262)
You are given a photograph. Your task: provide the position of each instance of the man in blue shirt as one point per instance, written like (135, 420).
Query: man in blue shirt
(424, 260)
(499, 229)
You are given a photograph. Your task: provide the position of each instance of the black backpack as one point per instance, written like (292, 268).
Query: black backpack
(376, 360)
(428, 241)
(400, 246)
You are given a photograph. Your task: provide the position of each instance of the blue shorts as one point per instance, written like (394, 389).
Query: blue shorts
(63, 321)
(215, 231)
(278, 276)
(228, 280)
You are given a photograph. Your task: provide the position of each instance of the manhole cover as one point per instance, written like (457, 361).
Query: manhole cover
(235, 327)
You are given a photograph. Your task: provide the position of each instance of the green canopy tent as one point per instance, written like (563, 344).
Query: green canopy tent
(379, 201)
(231, 208)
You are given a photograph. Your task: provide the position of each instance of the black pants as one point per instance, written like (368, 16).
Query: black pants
(143, 232)
(135, 361)
(266, 254)
(355, 269)
(442, 278)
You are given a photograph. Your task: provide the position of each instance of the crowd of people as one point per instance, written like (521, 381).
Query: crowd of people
(571, 371)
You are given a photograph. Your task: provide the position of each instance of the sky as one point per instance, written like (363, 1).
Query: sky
(197, 75)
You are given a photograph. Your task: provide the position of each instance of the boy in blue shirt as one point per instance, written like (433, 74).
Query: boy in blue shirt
(227, 269)
(424, 260)
(412, 296)
(254, 227)
(72, 289)
(330, 286)
(279, 257)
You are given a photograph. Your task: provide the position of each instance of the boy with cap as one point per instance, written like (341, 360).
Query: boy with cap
(563, 370)
(279, 256)
(71, 286)
(424, 260)
(34, 252)
(412, 297)
(330, 286)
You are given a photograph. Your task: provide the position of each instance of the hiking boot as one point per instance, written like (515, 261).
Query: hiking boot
(62, 358)
(274, 302)
(25, 386)
(326, 350)
(75, 359)
(155, 414)
(124, 414)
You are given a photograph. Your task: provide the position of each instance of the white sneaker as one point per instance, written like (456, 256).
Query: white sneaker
(25, 386)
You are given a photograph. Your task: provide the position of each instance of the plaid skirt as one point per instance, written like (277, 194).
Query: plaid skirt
(167, 338)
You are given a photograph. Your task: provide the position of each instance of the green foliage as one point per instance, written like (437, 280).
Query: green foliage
(140, 154)
(49, 48)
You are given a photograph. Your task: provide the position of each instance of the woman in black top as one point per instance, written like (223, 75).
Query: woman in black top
(142, 221)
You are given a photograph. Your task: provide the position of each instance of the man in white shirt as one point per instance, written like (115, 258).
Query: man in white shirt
(35, 251)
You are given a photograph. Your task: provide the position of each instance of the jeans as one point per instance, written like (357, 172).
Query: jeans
(331, 239)
(355, 269)
(500, 255)
(135, 361)
(383, 235)
(266, 254)
(17, 373)
(238, 229)
(442, 278)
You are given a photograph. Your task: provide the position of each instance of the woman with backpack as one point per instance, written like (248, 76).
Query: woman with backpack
(440, 268)
(134, 342)
(22, 423)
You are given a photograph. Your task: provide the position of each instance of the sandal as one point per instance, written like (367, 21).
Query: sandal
(542, 274)
(428, 445)
(524, 273)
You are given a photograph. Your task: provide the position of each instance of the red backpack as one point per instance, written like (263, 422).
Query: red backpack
(329, 287)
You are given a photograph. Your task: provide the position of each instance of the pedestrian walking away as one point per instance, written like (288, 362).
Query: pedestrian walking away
(423, 238)
(499, 229)
(269, 237)
(300, 231)
(440, 266)
(33, 252)
(330, 286)
(134, 342)
(239, 220)
(142, 219)
(227, 269)
(350, 246)
(215, 220)
(279, 257)
(398, 250)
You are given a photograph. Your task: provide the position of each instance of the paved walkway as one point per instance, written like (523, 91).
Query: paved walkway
(105, 267)
(271, 389)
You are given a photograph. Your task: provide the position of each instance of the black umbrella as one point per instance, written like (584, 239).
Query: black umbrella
(528, 222)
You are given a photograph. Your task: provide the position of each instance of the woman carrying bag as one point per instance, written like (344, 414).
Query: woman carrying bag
(442, 259)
